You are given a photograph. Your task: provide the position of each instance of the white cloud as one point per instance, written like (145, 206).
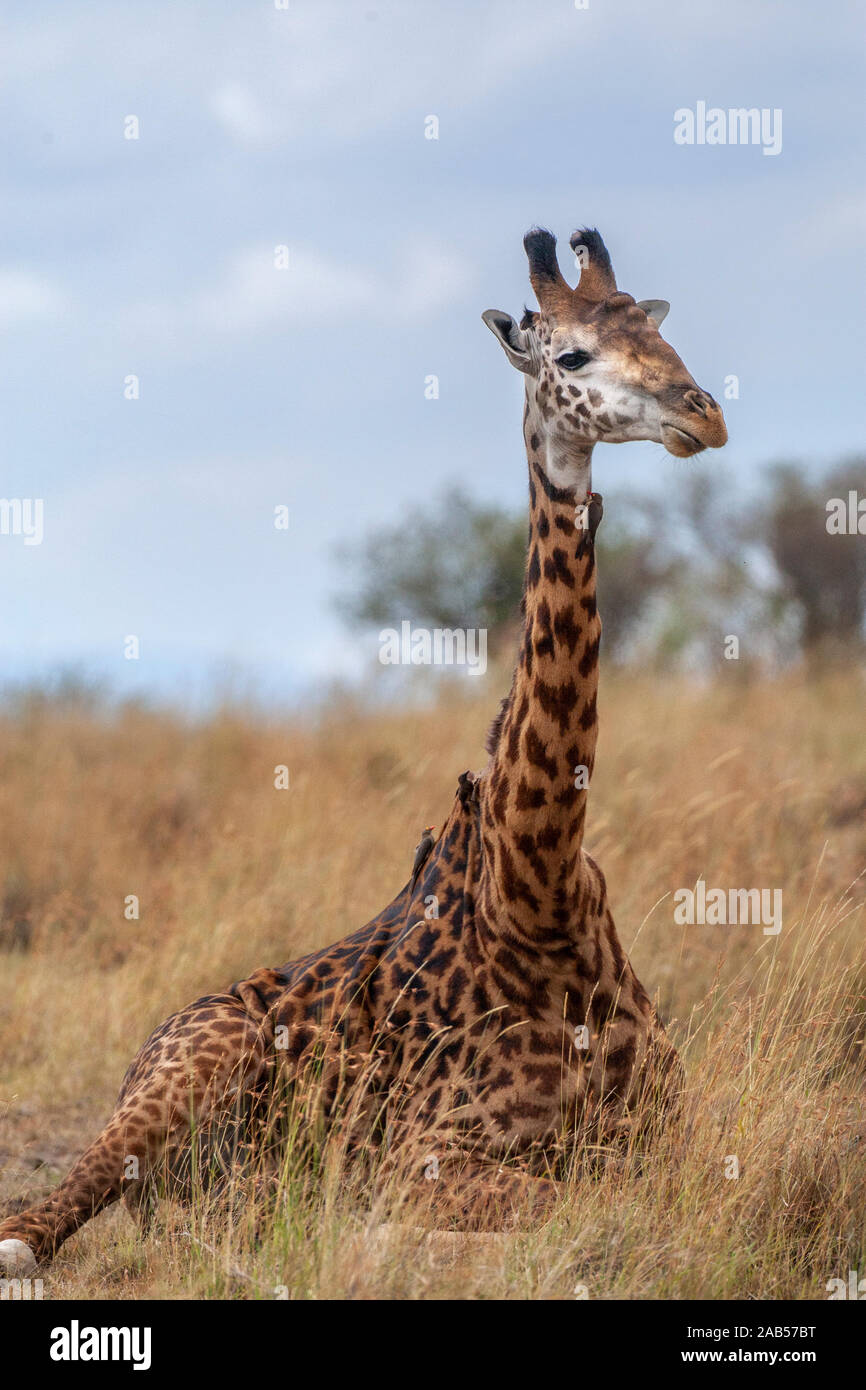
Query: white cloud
(26, 298)
(340, 73)
(431, 279)
(839, 224)
(288, 71)
(250, 295)
(239, 113)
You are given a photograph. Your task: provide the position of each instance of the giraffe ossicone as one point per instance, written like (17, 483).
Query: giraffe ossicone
(509, 1024)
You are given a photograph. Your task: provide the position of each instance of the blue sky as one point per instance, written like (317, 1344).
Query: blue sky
(305, 387)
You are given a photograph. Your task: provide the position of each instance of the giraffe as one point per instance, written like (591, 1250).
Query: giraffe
(489, 1014)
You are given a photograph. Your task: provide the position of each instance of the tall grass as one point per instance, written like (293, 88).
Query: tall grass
(745, 785)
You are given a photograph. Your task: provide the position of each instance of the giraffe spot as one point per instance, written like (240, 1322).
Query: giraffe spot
(526, 654)
(589, 660)
(533, 571)
(509, 1044)
(500, 802)
(527, 847)
(527, 1110)
(567, 631)
(556, 569)
(558, 701)
(545, 1078)
(529, 798)
(622, 1058)
(589, 605)
(548, 838)
(514, 887)
(589, 717)
(515, 731)
(536, 753)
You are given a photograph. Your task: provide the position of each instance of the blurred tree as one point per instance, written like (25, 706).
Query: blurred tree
(719, 579)
(678, 574)
(460, 564)
(634, 571)
(822, 573)
(455, 564)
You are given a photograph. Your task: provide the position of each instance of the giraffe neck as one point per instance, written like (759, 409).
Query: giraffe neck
(533, 793)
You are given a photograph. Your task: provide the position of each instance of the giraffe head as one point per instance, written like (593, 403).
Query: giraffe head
(596, 366)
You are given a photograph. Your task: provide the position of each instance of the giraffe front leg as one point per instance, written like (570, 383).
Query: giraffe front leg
(95, 1181)
(191, 1070)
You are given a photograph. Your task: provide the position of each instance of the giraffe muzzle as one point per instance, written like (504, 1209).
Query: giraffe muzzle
(679, 442)
(700, 426)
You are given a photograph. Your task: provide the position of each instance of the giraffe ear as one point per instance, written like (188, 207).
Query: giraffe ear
(513, 339)
(655, 309)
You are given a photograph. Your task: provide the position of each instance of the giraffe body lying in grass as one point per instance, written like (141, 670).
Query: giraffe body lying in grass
(488, 1017)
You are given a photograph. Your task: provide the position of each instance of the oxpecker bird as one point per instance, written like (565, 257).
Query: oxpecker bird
(422, 854)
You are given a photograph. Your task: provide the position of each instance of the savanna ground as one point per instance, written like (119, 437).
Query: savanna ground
(743, 784)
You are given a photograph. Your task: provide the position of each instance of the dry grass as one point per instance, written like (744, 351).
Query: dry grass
(760, 785)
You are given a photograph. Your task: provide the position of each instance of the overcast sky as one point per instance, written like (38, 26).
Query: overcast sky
(305, 127)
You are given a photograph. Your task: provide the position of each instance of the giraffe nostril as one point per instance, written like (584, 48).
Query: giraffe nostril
(699, 401)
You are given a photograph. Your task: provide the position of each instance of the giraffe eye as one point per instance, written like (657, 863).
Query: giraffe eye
(573, 360)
